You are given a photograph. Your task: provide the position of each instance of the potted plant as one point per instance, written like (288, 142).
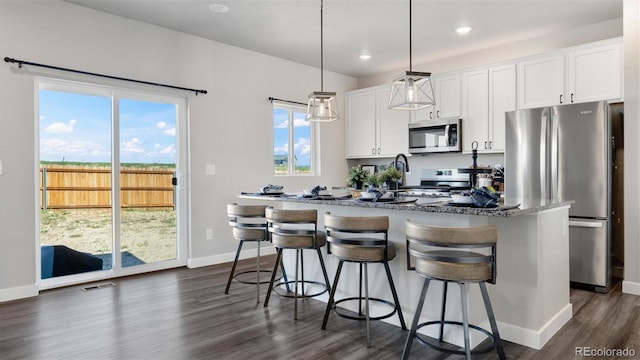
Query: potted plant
(391, 176)
(357, 176)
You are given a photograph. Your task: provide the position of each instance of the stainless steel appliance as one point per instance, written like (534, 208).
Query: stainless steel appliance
(442, 135)
(564, 152)
(439, 182)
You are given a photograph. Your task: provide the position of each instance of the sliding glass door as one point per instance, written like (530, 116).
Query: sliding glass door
(109, 163)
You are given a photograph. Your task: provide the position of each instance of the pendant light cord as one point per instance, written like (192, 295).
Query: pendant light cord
(321, 48)
(410, 41)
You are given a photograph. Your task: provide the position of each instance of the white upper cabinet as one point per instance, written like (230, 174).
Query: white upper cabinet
(540, 81)
(360, 110)
(586, 73)
(446, 89)
(372, 129)
(595, 73)
(486, 95)
(502, 99)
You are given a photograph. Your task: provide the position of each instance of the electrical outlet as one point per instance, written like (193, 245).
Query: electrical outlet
(209, 234)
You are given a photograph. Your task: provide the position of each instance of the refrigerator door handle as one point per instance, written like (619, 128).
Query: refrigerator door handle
(586, 224)
(554, 156)
(543, 155)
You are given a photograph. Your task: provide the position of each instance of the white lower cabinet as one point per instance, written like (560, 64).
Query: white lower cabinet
(486, 95)
(372, 129)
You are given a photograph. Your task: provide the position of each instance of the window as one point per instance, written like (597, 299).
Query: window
(293, 141)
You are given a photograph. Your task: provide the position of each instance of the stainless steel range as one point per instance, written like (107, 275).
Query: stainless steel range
(439, 183)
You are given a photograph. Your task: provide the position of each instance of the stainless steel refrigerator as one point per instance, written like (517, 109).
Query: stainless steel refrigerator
(565, 152)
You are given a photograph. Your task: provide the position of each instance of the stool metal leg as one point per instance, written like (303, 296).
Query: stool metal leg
(492, 320)
(444, 304)
(416, 318)
(233, 267)
(258, 273)
(295, 287)
(366, 296)
(360, 274)
(324, 270)
(332, 295)
(465, 319)
(395, 295)
(273, 275)
(302, 270)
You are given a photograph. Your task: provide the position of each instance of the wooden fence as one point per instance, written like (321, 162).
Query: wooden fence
(74, 187)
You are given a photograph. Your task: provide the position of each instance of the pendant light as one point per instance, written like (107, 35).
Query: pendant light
(413, 91)
(322, 105)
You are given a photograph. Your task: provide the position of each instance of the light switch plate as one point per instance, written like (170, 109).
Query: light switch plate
(210, 169)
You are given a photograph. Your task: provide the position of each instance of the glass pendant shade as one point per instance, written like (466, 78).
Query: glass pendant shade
(322, 107)
(412, 92)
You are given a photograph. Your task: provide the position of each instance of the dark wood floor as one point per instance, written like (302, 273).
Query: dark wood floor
(184, 314)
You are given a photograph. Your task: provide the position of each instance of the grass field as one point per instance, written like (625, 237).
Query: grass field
(148, 234)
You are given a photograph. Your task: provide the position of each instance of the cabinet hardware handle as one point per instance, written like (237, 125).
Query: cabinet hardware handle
(572, 97)
(373, 151)
(485, 145)
(438, 113)
(430, 114)
(490, 144)
(560, 98)
(379, 151)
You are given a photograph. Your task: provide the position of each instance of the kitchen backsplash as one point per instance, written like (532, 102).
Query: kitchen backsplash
(431, 161)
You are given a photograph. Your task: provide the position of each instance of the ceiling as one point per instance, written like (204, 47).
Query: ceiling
(290, 29)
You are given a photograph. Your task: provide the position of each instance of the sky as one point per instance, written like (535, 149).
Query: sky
(301, 135)
(77, 127)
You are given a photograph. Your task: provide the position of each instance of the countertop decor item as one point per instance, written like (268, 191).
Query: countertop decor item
(357, 176)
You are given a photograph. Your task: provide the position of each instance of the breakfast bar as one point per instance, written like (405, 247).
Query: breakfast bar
(531, 296)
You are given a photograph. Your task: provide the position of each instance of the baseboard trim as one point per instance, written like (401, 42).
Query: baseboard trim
(19, 292)
(228, 257)
(629, 287)
(536, 338)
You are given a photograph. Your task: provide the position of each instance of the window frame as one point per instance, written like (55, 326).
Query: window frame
(314, 142)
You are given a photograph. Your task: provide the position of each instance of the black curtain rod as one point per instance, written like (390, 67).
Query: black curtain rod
(272, 99)
(22, 62)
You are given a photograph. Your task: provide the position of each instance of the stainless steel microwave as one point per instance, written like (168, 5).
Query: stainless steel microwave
(433, 136)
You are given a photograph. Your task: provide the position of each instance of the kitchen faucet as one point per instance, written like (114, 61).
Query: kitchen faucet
(405, 168)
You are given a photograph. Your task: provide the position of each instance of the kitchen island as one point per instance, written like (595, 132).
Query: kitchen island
(531, 297)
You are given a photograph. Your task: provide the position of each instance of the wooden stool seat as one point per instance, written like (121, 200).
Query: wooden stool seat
(452, 263)
(298, 230)
(361, 240)
(248, 224)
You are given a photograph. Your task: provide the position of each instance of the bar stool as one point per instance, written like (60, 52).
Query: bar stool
(361, 240)
(295, 229)
(463, 267)
(249, 224)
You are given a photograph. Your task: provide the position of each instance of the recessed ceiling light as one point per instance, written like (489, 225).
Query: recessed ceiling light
(463, 29)
(365, 57)
(219, 8)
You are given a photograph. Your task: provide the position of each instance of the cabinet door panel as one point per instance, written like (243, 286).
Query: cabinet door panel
(448, 95)
(595, 74)
(502, 98)
(541, 82)
(393, 126)
(475, 103)
(361, 124)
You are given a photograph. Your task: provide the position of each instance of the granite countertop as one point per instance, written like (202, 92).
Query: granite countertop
(506, 207)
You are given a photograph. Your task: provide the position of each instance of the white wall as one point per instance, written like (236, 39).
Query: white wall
(230, 127)
(631, 282)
